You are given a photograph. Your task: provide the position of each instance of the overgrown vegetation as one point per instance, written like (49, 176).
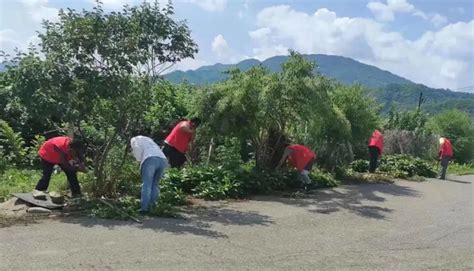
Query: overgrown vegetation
(399, 166)
(99, 74)
(461, 169)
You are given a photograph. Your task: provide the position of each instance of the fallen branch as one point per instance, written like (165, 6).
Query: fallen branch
(119, 210)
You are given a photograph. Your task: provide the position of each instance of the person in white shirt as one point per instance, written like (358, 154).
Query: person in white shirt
(152, 167)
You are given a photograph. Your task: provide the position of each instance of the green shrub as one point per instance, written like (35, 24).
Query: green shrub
(3, 161)
(32, 151)
(12, 143)
(461, 169)
(354, 176)
(398, 166)
(360, 165)
(323, 179)
(228, 155)
(406, 166)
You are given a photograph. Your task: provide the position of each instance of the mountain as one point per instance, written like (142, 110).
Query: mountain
(387, 88)
(343, 69)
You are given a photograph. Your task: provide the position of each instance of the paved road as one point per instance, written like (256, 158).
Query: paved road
(401, 226)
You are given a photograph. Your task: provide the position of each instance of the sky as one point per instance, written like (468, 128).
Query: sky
(426, 41)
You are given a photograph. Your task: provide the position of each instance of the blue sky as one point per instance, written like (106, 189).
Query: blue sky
(426, 41)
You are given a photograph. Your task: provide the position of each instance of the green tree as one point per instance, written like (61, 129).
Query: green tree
(458, 127)
(262, 109)
(97, 72)
(361, 112)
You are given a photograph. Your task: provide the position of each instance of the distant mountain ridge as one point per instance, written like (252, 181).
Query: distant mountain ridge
(343, 69)
(387, 88)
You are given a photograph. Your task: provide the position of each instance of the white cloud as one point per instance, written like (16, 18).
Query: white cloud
(210, 5)
(39, 10)
(421, 14)
(8, 40)
(385, 12)
(438, 20)
(189, 64)
(245, 8)
(219, 45)
(441, 58)
(224, 52)
(261, 33)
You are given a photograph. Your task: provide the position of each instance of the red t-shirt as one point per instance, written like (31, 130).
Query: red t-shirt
(178, 138)
(376, 140)
(48, 153)
(300, 156)
(446, 149)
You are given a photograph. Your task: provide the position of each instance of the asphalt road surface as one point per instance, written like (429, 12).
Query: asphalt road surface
(401, 226)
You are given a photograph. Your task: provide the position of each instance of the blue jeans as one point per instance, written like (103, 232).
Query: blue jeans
(152, 170)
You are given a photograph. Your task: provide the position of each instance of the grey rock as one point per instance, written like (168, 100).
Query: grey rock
(39, 210)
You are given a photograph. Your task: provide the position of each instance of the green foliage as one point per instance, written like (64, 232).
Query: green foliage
(360, 110)
(399, 166)
(128, 206)
(360, 165)
(323, 179)
(263, 109)
(97, 69)
(206, 182)
(32, 150)
(3, 161)
(12, 144)
(228, 155)
(169, 105)
(14, 180)
(216, 183)
(461, 169)
(406, 166)
(458, 127)
(352, 175)
(406, 120)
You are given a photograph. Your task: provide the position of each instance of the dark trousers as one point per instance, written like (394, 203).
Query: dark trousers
(48, 170)
(175, 157)
(444, 166)
(373, 157)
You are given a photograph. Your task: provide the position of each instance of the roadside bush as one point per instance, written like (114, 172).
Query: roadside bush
(458, 127)
(406, 166)
(12, 144)
(360, 165)
(461, 169)
(3, 161)
(399, 166)
(364, 177)
(323, 179)
(419, 144)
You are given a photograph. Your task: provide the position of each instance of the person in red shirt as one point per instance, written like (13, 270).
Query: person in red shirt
(65, 152)
(178, 142)
(445, 154)
(375, 149)
(301, 158)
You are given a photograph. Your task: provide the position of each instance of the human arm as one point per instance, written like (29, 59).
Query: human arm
(285, 155)
(63, 157)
